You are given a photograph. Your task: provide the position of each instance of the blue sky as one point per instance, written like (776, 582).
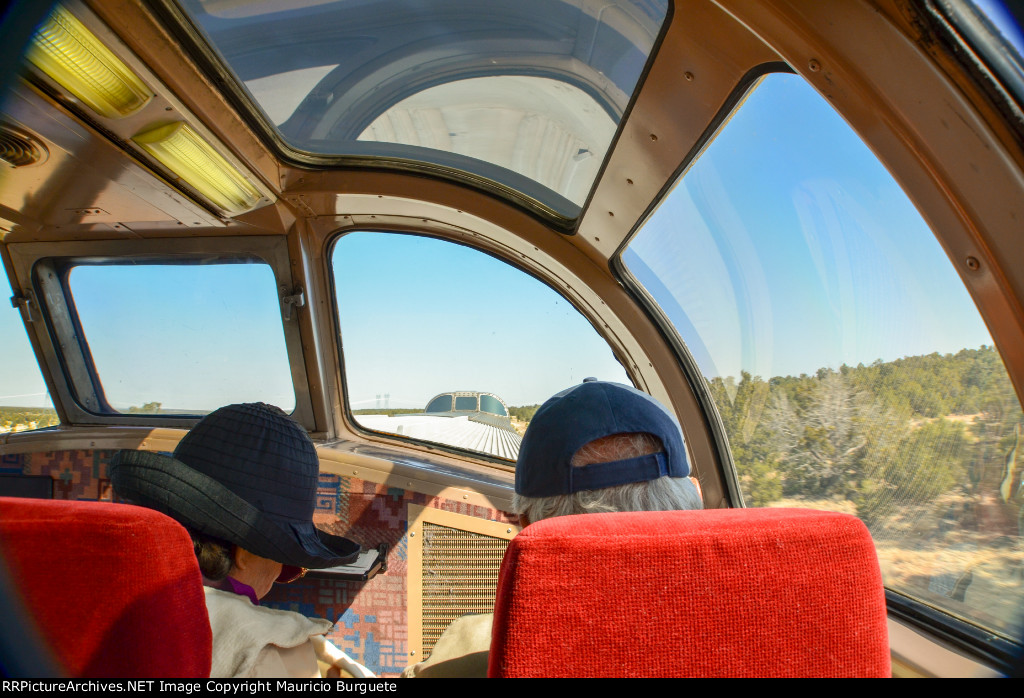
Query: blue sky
(21, 383)
(423, 316)
(785, 248)
(788, 247)
(189, 337)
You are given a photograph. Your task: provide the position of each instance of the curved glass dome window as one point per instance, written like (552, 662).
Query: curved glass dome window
(491, 404)
(549, 131)
(467, 402)
(522, 94)
(441, 403)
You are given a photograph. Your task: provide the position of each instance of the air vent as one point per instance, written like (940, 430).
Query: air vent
(18, 149)
(453, 562)
(460, 576)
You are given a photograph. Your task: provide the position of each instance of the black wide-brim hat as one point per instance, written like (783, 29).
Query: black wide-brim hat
(246, 474)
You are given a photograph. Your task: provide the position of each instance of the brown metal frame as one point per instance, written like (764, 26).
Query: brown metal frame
(943, 136)
(37, 270)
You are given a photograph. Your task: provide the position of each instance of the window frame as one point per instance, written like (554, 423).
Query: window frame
(970, 34)
(687, 362)
(43, 268)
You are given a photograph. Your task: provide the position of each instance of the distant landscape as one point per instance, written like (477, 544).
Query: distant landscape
(906, 430)
(390, 411)
(926, 450)
(26, 418)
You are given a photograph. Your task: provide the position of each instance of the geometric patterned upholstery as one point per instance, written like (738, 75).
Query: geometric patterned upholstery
(114, 589)
(714, 593)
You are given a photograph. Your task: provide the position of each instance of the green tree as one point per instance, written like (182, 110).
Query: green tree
(742, 408)
(523, 413)
(925, 462)
(148, 408)
(823, 445)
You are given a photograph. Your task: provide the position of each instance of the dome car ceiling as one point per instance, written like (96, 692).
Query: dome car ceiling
(465, 86)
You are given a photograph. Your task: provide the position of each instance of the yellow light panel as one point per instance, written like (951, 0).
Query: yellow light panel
(186, 154)
(78, 61)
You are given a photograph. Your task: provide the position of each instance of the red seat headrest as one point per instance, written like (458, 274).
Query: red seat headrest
(115, 590)
(728, 592)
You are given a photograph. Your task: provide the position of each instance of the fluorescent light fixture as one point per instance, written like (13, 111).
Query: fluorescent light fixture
(186, 154)
(78, 61)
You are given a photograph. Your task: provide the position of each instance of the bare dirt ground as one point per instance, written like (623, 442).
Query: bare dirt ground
(975, 574)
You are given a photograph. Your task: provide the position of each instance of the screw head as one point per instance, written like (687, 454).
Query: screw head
(814, 65)
(972, 263)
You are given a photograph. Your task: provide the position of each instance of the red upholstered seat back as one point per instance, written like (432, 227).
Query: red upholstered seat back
(114, 589)
(728, 592)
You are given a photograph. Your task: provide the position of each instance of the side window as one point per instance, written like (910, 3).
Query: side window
(25, 403)
(489, 403)
(846, 359)
(182, 339)
(429, 326)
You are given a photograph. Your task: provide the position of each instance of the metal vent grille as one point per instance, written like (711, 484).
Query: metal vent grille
(460, 576)
(18, 149)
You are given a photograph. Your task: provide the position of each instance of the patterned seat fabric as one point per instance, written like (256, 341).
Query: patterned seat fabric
(728, 592)
(115, 590)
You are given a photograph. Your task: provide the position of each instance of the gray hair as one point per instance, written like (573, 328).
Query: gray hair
(662, 494)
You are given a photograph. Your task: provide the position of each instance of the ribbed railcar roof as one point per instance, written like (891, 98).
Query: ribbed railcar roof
(459, 432)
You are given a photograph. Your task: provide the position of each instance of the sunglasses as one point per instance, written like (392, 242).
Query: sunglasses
(289, 573)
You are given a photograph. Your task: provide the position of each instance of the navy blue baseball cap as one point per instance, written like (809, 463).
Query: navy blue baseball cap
(583, 413)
